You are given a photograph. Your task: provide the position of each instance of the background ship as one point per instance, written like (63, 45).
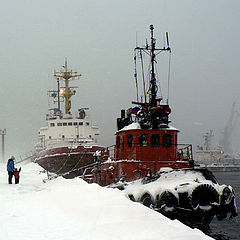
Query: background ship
(67, 143)
(222, 157)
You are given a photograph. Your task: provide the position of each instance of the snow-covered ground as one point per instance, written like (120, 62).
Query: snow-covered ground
(63, 209)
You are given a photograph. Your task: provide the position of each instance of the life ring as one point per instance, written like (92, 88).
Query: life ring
(160, 109)
(167, 110)
(157, 109)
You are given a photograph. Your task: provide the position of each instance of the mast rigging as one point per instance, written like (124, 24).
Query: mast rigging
(152, 51)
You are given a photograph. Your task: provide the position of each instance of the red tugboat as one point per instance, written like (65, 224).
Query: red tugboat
(151, 167)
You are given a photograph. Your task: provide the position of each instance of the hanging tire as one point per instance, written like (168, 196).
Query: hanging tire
(233, 208)
(131, 197)
(203, 197)
(147, 200)
(167, 204)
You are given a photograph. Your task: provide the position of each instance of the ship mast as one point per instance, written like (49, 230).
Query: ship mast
(67, 75)
(152, 51)
(153, 85)
(151, 114)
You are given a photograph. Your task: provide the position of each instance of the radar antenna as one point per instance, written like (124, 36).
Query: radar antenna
(67, 75)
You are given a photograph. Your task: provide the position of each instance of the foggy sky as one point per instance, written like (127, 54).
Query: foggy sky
(98, 38)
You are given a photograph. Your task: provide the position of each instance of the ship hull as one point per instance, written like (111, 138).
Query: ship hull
(68, 161)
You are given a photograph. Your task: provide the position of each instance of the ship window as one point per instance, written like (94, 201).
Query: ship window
(52, 124)
(64, 124)
(75, 123)
(87, 123)
(122, 142)
(50, 137)
(70, 124)
(130, 140)
(90, 136)
(155, 139)
(63, 136)
(81, 123)
(143, 140)
(59, 124)
(167, 140)
(118, 141)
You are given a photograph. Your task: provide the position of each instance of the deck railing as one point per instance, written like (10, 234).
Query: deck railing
(184, 152)
(71, 142)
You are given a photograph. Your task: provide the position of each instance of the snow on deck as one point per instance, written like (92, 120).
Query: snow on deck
(136, 125)
(131, 126)
(64, 209)
(182, 181)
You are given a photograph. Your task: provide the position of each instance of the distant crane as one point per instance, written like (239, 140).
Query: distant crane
(225, 142)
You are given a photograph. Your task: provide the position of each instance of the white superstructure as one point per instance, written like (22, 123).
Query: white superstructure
(67, 131)
(63, 129)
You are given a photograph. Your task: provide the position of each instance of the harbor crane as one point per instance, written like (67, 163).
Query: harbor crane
(225, 142)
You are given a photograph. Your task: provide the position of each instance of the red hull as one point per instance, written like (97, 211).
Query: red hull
(131, 170)
(135, 158)
(66, 161)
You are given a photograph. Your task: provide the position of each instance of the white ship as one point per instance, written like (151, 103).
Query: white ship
(67, 143)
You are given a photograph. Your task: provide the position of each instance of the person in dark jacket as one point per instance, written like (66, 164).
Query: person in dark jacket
(10, 167)
(16, 174)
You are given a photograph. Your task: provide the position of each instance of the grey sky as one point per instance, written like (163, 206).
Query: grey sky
(98, 38)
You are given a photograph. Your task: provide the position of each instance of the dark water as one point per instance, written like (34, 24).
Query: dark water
(227, 229)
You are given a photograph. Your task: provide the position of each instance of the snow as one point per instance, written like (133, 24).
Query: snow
(136, 125)
(64, 209)
(131, 126)
(173, 181)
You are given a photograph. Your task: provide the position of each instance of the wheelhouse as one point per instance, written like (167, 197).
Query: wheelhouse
(147, 145)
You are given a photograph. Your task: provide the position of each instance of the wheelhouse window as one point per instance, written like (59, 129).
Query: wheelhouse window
(130, 140)
(155, 140)
(70, 124)
(52, 124)
(87, 123)
(167, 140)
(143, 140)
(122, 142)
(75, 123)
(64, 124)
(59, 124)
(81, 123)
(118, 141)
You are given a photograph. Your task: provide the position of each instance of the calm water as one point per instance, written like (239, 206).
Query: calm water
(227, 229)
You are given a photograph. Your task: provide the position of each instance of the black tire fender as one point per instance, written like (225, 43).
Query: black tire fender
(131, 197)
(167, 201)
(204, 196)
(147, 200)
